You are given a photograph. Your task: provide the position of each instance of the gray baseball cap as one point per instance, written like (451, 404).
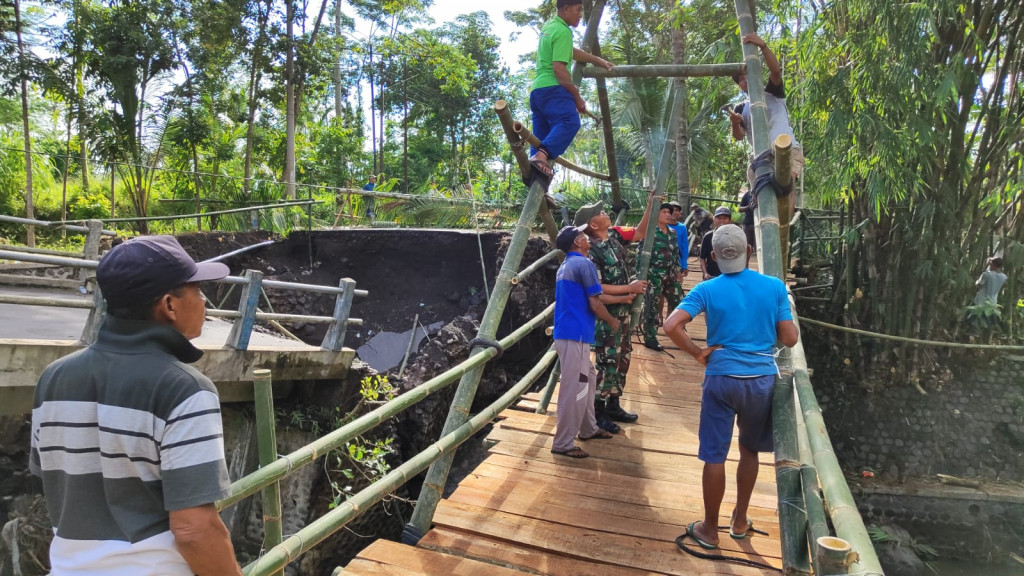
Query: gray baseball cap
(730, 246)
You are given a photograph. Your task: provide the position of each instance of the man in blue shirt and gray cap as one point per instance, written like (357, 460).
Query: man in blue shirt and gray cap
(127, 437)
(746, 312)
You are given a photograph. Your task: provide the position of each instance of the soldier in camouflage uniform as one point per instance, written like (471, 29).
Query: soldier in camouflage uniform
(664, 277)
(612, 347)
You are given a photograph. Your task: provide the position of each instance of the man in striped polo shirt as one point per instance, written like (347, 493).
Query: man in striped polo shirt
(127, 436)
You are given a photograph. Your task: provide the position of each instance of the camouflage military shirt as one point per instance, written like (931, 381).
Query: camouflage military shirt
(664, 254)
(613, 262)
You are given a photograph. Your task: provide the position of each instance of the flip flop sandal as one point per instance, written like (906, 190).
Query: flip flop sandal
(574, 452)
(601, 434)
(741, 536)
(693, 534)
(541, 166)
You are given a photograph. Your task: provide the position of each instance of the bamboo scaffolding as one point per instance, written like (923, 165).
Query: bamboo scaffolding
(817, 524)
(280, 468)
(609, 138)
(589, 37)
(665, 71)
(792, 520)
(316, 531)
(430, 494)
(532, 140)
(266, 437)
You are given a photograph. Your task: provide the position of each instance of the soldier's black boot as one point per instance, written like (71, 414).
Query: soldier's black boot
(613, 410)
(603, 422)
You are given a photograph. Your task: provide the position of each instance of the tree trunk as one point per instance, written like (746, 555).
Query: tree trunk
(373, 121)
(30, 231)
(405, 128)
(289, 153)
(337, 62)
(254, 82)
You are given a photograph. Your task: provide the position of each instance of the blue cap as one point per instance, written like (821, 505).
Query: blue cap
(145, 268)
(566, 236)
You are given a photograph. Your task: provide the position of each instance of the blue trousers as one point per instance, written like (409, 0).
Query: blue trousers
(555, 119)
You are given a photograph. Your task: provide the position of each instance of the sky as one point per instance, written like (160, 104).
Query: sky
(444, 11)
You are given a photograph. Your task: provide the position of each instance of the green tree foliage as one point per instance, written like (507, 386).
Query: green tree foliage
(916, 109)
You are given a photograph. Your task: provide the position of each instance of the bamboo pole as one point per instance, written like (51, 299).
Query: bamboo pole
(835, 555)
(783, 146)
(532, 140)
(549, 388)
(817, 524)
(667, 154)
(589, 39)
(252, 483)
(537, 264)
(792, 517)
(266, 437)
(430, 495)
(665, 71)
(609, 138)
(518, 145)
(316, 531)
(792, 522)
(841, 507)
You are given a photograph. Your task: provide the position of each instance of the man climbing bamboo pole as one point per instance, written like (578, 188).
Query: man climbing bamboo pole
(555, 101)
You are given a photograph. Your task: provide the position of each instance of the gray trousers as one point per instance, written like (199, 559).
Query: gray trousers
(575, 394)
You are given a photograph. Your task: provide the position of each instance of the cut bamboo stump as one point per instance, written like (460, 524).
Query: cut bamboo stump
(784, 176)
(835, 555)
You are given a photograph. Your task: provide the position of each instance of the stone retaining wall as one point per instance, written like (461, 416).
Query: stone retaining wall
(972, 426)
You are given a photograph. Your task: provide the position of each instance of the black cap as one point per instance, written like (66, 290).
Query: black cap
(145, 268)
(666, 206)
(567, 235)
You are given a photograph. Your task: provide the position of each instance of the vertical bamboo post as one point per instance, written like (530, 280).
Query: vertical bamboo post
(667, 154)
(589, 38)
(792, 519)
(458, 415)
(266, 438)
(783, 146)
(609, 139)
(549, 388)
(248, 302)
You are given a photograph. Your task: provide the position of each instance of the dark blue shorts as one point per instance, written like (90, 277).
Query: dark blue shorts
(746, 400)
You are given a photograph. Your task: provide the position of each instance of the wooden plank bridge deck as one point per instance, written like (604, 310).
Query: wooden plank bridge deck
(616, 513)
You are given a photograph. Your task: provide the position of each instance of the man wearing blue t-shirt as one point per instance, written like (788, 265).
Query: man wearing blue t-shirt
(746, 313)
(577, 305)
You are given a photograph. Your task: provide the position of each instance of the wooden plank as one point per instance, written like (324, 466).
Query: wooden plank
(630, 551)
(423, 561)
(523, 558)
(574, 511)
(665, 494)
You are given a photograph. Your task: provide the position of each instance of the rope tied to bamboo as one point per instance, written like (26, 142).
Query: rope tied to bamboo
(487, 343)
(766, 160)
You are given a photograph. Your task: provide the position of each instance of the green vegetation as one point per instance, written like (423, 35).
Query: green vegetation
(910, 115)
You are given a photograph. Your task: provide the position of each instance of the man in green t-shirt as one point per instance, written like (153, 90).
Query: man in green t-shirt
(554, 99)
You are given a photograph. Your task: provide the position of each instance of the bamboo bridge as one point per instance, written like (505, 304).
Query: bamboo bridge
(618, 512)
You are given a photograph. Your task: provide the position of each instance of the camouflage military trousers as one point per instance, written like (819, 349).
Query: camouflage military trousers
(660, 283)
(613, 349)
